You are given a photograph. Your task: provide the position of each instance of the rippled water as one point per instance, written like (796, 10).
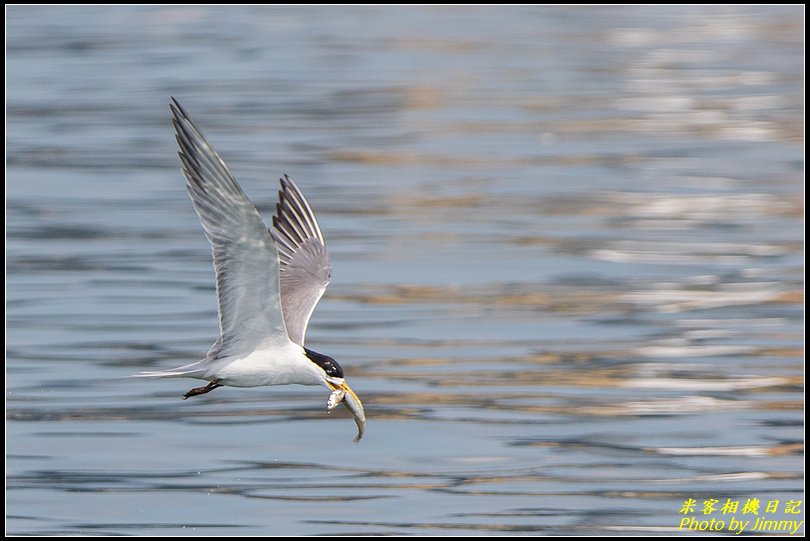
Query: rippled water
(568, 259)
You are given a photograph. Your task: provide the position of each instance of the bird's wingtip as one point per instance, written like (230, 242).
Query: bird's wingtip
(178, 112)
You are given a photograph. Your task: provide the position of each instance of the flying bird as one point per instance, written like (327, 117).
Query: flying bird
(268, 282)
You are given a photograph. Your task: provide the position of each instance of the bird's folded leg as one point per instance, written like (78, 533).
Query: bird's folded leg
(202, 390)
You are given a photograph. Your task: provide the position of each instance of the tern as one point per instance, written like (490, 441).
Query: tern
(268, 282)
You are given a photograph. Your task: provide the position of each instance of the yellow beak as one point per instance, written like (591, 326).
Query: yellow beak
(352, 402)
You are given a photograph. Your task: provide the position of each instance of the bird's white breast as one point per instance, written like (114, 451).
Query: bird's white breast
(273, 365)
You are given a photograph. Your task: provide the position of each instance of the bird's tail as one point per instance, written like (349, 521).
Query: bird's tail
(193, 370)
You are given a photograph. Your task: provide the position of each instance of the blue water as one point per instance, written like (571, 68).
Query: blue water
(568, 258)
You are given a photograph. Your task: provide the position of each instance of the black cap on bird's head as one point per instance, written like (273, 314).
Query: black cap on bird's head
(328, 364)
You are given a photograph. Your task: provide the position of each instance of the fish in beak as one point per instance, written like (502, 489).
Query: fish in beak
(341, 392)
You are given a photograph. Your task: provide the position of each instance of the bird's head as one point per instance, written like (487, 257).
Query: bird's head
(341, 392)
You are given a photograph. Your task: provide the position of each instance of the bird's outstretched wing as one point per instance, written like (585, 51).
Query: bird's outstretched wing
(305, 267)
(245, 255)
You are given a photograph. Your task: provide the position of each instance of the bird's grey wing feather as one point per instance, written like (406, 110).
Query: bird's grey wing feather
(305, 269)
(246, 259)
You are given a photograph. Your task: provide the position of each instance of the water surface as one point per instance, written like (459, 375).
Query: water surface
(568, 260)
